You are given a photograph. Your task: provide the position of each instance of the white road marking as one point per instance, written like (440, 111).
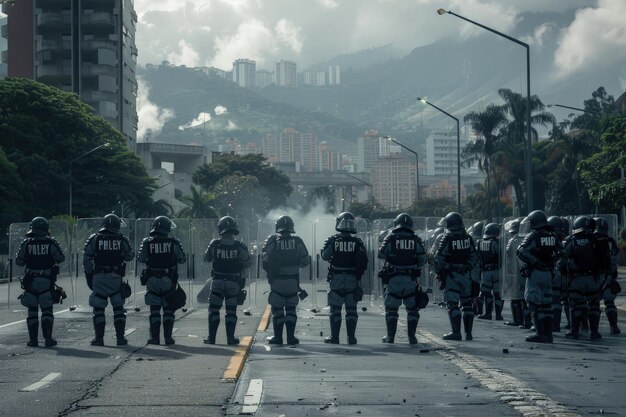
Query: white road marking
(23, 321)
(129, 331)
(44, 381)
(174, 330)
(268, 348)
(512, 391)
(252, 400)
(192, 335)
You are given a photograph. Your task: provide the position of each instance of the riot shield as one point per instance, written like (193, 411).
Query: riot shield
(83, 229)
(203, 231)
(380, 228)
(322, 229)
(17, 233)
(513, 284)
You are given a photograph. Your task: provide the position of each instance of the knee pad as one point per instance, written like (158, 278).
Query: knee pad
(214, 309)
(290, 311)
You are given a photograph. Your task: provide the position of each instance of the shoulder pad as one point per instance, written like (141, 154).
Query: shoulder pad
(242, 245)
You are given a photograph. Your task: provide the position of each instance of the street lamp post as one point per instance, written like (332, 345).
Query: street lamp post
(573, 108)
(76, 159)
(528, 156)
(458, 151)
(417, 163)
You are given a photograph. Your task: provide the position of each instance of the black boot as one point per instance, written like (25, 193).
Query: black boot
(155, 333)
(468, 323)
(33, 331)
(351, 330)
(548, 325)
(120, 328)
(98, 328)
(278, 324)
(455, 323)
(411, 328)
(168, 328)
(392, 325)
(540, 335)
(594, 324)
(527, 323)
(230, 333)
(556, 320)
(574, 332)
(213, 325)
(498, 304)
(291, 332)
(515, 313)
(480, 303)
(611, 315)
(488, 309)
(335, 328)
(46, 331)
(584, 321)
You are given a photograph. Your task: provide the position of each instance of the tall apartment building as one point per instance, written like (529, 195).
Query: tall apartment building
(328, 159)
(334, 75)
(292, 146)
(394, 184)
(368, 150)
(314, 78)
(441, 152)
(244, 73)
(286, 73)
(3, 47)
(264, 78)
(83, 46)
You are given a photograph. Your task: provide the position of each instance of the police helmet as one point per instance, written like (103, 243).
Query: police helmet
(477, 229)
(512, 226)
(454, 221)
(403, 221)
(162, 225)
(602, 226)
(38, 227)
(112, 223)
(556, 224)
(442, 222)
(582, 224)
(537, 219)
(491, 230)
(227, 225)
(345, 223)
(284, 224)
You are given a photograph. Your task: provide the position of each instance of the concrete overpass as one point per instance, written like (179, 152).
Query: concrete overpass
(345, 179)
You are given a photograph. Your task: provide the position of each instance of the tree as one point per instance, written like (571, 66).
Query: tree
(275, 183)
(601, 172)
(200, 205)
(42, 129)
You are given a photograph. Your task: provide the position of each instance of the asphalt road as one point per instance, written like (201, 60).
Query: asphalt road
(567, 378)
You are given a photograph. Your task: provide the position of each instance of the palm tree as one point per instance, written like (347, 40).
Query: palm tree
(486, 124)
(199, 205)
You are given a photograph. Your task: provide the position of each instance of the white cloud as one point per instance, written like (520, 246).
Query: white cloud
(231, 125)
(494, 14)
(289, 34)
(597, 34)
(201, 119)
(251, 41)
(328, 4)
(542, 31)
(185, 55)
(219, 110)
(152, 118)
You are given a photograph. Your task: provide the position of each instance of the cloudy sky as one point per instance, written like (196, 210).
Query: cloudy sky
(216, 32)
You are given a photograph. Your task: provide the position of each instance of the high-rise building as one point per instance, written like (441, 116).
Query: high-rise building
(83, 46)
(441, 152)
(264, 78)
(286, 73)
(368, 150)
(394, 181)
(244, 73)
(334, 75)
(307, 152)
(328, 159)
(314, 78)
(3, 47)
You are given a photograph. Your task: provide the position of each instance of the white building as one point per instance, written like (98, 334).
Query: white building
(244, 73)
(334, 75)
(394, 181)
(314, 78)
(264, 78)
(441, 152)
(286, 73)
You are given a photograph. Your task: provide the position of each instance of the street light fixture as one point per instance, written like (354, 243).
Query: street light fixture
(417, 163)
(573, 108)
(76, 159)
(528, 156)
(458, 150)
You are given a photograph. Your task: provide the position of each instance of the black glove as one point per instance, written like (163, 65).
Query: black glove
(89, 277)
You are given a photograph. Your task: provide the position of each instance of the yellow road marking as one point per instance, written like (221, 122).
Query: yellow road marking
(235, 366)
(265, 319)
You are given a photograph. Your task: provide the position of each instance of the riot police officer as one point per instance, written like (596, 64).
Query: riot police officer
(229, 258)
(283, 255)
(348, 261)
(404, 255)
(454, 261)
(540, 250)
(559, 284)
(161, 253)
(40, 254)
(610, 286)
(512, 278)
(104, 258)
(489, 261)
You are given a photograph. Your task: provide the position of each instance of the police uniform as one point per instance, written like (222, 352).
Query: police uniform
(229, 258)
(610, 287)
(488, 249)
(283, 255)
(455, 259)
(512, 278)
(559, 275)
(584, 260)
(540, 250)
(161, 254)
(404, 256)
(39, 253)
(104, 258)
(348, 261)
